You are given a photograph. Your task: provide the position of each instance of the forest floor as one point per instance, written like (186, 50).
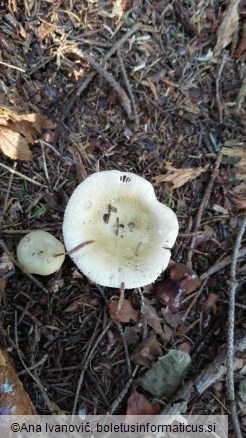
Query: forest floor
(168, 104)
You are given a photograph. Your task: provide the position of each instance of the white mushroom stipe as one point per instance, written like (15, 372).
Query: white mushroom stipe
(126, 234)
(37, 253)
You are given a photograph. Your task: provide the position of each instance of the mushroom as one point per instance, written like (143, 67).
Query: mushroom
(117, 232)
(40, 253)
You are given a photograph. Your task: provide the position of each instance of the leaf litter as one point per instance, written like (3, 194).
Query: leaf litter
(178, 135)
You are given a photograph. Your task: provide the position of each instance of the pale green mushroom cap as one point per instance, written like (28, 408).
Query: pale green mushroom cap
(37, 253)
(116, 231)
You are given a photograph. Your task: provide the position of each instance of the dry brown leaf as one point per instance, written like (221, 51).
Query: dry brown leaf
(239, 200)
(182, 282)
(237, 150)
(125, 314)
(35, 120)
(242, 45)
(137, 404)
(44, 30)
(13, 398)
(210, 302)
(18, 130)
(228, 27)
(14, 145)
(150, 315)
(146, 352)
(178, 177)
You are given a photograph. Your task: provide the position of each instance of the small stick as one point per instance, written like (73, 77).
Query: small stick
(125, 102)
(136, 252)
(218, 88)
(85, 82)
(230, 337)
(123, 392)
(87, 359)
(81, 245)
(8, 190)
(203, 206)
(128, 363)
(223, 263)
(111, 52)
(193, 302)
(128, 87)
(15, 172)
(34, 378)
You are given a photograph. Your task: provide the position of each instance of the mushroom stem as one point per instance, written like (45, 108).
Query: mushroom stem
(122, 295)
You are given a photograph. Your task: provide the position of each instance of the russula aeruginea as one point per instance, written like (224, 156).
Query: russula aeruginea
(37, 253)
(116, 231)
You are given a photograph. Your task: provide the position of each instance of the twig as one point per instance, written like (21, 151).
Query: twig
(111, 52)
(123, 392)
(8, 190)
(193, 302)
(218, 88)
(6, 250)
(203, 206)
(15, 172)
(182, 17)
(222, 264)
(12, 66)
(125, 102)
(128, 87)
(128, 363)
(231, 322)
(86, 363)
(83, 84)
(34, 378)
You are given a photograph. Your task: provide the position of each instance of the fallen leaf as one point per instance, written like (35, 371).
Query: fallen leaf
(165, 376)
(14, 145)
(228, 27)
(188, 279)
(111, 339)
(146, 352)
(179, 177)
(17, 131)
(125, 314)
(137, 404)
(205, 235)
(181, 282)
(150, 315)
(44, 30)
(239, 200)
(242, 45)
(13, 398)
(182, 16)
(131, 335)
(185, 347)
(236, 150)
(210, 302)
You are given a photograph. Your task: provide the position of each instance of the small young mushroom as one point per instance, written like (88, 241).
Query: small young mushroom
(40, 253)
(117, 232)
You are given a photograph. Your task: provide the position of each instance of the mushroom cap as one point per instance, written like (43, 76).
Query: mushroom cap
(36, 252)
(116, 231)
